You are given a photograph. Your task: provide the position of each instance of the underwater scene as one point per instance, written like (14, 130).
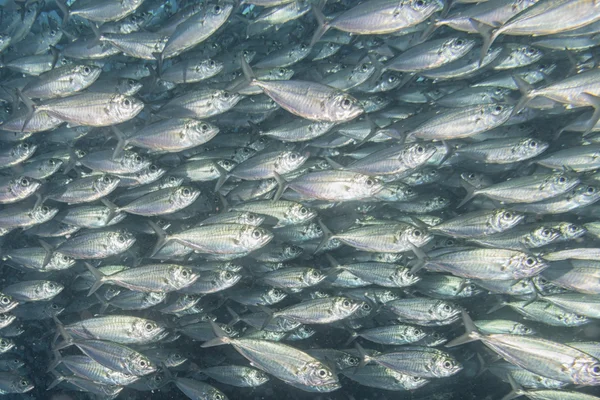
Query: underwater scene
(300, 199)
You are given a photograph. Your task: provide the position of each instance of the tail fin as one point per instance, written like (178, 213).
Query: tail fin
(283, 184)
(364, 357)
(68, 339)
(517, 391)
(62, 6)
(247, 70)
(353, 335)
(488, 33)
(471, 192)
(594, 102)
(221, 338)
(112, 207)
(49, 251)
(526, 93)
(223, 176)
(327, 235)
(99, 278)
(57, 360)
(322, 28)
(162, 238)
(471, 334)
(122, 141)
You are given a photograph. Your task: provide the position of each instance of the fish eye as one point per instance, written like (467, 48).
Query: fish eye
(24, 182)
(228, 275)
(126, 102)
(51, 286)
(596, 369)
(303, 210)
(24, 382)
(142, 363)
(322, 373)
(315, 273)
(420, 3)
(499, 108)
(420, 149)
(153, 168)
(346, 303)
(417, 233)
(87, 70)
(530, 261)
(460, 42)
(293, 156)
(546, 232)
(448, 364)
(185, 273)
(364, 67)
(369, 182)
(25, 146)
(51, 162)
(507, 215)
(281, 71)
(5, 300)
(54, 306)
(130, 82)
(172, 179)
(121, 239)
(227, 329)
(366, 307)
(106, 179)
(303, 47)
(256, 234)
(591, 190)
(204, 127)
(447, 307)
(392, 78)
(530, 50)
(177, 356)
(138, 159)
(225, 95)
(45, 209)
(186, 192)
(346, 103)
(449, 242)
(149, 327)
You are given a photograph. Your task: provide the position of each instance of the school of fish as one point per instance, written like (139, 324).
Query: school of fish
(267, 199)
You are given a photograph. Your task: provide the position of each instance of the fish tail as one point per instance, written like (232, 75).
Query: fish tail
(471, 334)
(322, 28)
(99, 278)
(282, 183)
(488, 33)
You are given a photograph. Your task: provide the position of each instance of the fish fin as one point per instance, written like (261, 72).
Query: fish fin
(247, 69)
(221, 336)
(282, 185)
(323, 26)
(57, 360)
(223, 176)
(159, 62)
(489, 34)
(162, 237)
(30, 105)
(334, 164)
(235, 318)
(500, 304)
(99, 278)
(594, 102)
(122, 141)
(112, 208)
(97, 36)
(517, 391)
(62, 6)
(224, 203)
(268, 312)
(471, 334)
(68, 339)
(433, 26)
(353, 336)
(471, 192)
(327, 235)
(364, 357)
(59, 378)
(332, 261)
(103, 302)
(527, 93)
(421, 257)
(49, 251)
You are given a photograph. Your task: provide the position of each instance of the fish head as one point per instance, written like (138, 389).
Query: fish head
(227, 165)
(124, 108)
(520, 329)
(313, 276)
(148, 330)
(6, 344)
(570, 231)
(344, 306)
(502, 219)
(21, 384)
(51, 165)
(43, 213)
(181, 277)
(121, 239)
(526, 265)
(128, 86)
(253, 237)
(365, 185)
(529, 147)
(23, 150)
(458, 45)
(445, 365)
(175, 359)
(413, 382)
(298, 214)
(317, 374)
(418, 237)
(589, 193)
(345, 107)
(50, 288)
(106, 183)
(185, 195)
(588, 373)
(170, 181)
(418, 153)
(226, 99)
(250, 218)
(402, 277)
(421, 9)
(152, 173)
(414, 333)
(256, 377)
(23, 186)
(291, 160)
(7, 303)
(87, 73)
(275, 295)
(208, 67)
(198, 131)
(444, 310)
(135, 161)
(544, 235)
(139, 365)
(228, 278)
